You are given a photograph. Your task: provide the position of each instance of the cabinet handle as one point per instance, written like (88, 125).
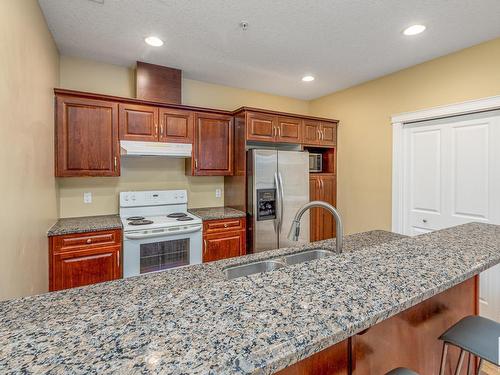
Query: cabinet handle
(116, 162)
(279, 132)
(161, 130)
(89, 241)
(319, 134)
(196, 163)
(156, 129)
(204, 246)
(322, 134)
(118, 258)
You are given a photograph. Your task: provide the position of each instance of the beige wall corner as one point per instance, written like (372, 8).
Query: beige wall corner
(365, 133)
(29, 70)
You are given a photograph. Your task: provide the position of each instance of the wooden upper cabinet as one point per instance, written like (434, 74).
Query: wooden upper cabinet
(319, 133)
(289, 130)
(311, 130)
(138, 122)
(176, 126)
(86, 137)
(213, 145)
(261, 127)
(328, 134)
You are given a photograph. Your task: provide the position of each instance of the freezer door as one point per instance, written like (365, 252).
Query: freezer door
(293, 174)
(264, 166)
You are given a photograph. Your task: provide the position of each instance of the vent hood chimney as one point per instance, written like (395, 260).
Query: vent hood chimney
(158, 83)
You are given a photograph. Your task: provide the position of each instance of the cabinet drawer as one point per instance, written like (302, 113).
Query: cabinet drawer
(86, 240)
(215, 226)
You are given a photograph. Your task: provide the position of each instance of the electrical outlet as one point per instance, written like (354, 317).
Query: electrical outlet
(218, 193)
(87, 197)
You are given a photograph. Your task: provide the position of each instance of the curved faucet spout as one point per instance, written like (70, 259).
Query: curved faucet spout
(294, 233)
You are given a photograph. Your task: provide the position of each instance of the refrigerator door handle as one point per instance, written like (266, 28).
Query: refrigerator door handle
(279, 211)
(282, 199)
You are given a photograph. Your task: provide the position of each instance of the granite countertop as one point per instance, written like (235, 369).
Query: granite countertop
(193, 320)
(84, 224)
(217, 213)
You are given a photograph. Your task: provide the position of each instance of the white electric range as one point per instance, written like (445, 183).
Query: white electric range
(158, 232)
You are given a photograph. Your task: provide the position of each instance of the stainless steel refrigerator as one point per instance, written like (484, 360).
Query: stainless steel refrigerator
(278, 185)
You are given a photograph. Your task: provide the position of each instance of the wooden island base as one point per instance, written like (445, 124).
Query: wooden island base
(408, 339)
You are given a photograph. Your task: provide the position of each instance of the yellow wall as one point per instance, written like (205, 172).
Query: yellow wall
(28, 73)
(151, 173)
(365, 134)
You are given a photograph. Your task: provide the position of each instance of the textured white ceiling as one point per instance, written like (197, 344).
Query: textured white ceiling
(340, 42)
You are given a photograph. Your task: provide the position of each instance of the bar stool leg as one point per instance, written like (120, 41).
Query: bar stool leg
(480, 363)
(460, 362)
(468, 365)
(443, 358)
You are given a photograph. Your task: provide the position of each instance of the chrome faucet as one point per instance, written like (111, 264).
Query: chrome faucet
(294, 233)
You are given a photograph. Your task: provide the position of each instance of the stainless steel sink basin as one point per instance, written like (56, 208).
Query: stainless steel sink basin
(307, 256)
(252, 268)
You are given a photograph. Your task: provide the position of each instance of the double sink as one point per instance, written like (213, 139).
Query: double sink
(234, 272)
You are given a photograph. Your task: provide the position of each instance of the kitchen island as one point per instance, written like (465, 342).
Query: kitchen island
(194, 320)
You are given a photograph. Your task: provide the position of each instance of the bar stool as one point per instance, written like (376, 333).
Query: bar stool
(401, 371)
(475, 335)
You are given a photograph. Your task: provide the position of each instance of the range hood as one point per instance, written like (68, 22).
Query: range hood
(136, 148)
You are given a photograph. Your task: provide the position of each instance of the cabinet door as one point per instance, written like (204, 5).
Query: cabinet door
(311, 132)
(224, 245)
(213, 147)
(328, 186)
(176, 126)
(138, 122)
(86, 137)
(315, 213)
(289, 130)
(328, 134)
(79, 268)
(261, 127)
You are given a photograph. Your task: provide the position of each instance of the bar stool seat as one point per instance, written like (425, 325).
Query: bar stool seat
(401, 371)
(476, 335)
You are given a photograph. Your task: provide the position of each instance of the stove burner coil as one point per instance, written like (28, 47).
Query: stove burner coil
(177, 215)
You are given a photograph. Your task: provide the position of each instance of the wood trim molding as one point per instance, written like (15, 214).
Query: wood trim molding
(90, 95)
(455, 109)
(397, 179)
(284, 114)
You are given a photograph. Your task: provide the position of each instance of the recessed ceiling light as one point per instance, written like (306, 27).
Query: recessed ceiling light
(308, 78)
(154, 41)
(414, 30)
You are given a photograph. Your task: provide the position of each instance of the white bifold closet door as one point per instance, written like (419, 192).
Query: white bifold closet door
(451, 177)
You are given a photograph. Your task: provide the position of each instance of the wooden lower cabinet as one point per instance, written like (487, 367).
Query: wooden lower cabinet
(322, 187)
(83, 259)
(408, 339)
(223, 239)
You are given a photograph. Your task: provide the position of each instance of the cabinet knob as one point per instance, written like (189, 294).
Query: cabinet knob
(89, 241)
(225, 225)
(424, 220)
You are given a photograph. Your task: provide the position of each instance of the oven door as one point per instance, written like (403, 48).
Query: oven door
(161, 249)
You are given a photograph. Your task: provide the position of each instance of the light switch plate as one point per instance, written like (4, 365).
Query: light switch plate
(218, 193)
(87, 197)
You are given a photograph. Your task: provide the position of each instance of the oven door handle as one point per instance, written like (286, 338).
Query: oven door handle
(138, 236)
